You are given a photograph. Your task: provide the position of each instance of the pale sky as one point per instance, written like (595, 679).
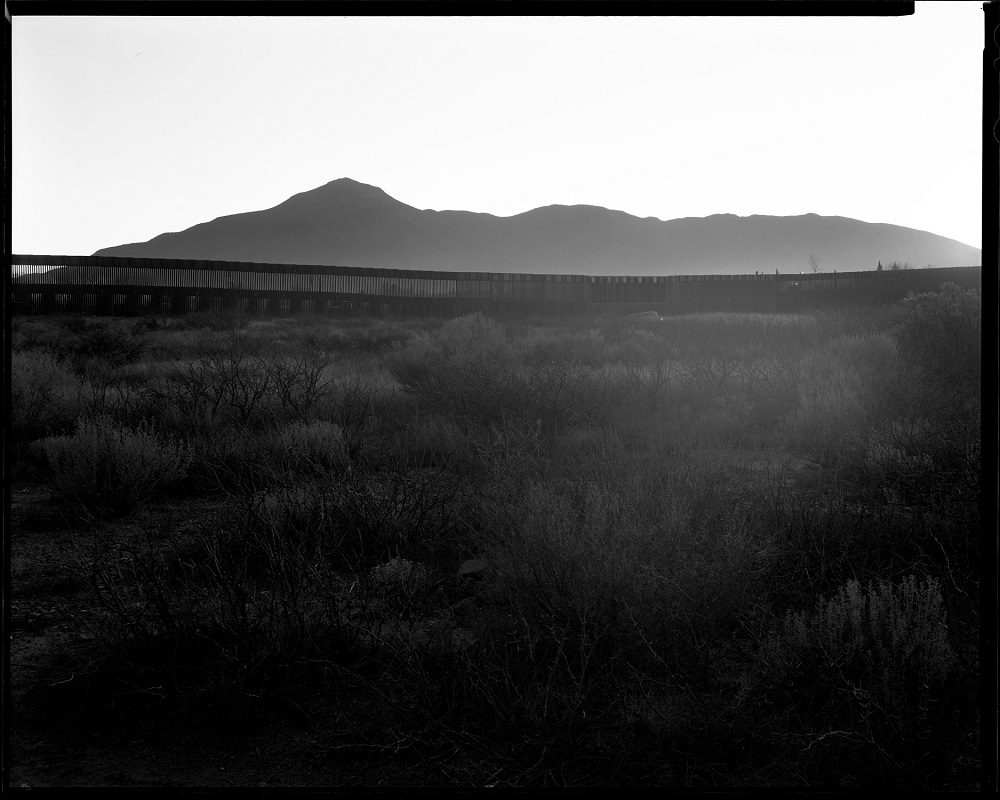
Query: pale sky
(127, 127)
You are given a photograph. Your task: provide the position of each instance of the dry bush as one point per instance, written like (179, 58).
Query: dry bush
(108, 468)
(365, 513)
(587, 347)
(116, 342)
(184, 344)
(80, 339)
(227, 617)
(930, 464)
(840, 393)
(119, 392)
(650, 366)
(628, 543)
(241, 461)
(311, 445)
(299, 382)
(930, 453)
(303, 576)
(211, 320)
(860, 321)
(45, 395)
(231, 460)
(234, 383)
(606, 573)
(941, 338)
(400, 588)
(733, 377)
(860, 688)
(435, 439)
(561, 396)
(893, 638)
(466, 367)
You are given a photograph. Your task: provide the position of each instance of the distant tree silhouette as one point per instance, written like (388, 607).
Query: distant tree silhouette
(814, 263)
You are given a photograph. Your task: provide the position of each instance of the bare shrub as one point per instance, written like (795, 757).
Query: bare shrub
(80, 339)
(212, 321)
(45, 395)
(614, 547)
(315, 444)
(531, 695)
(298, 382)
(436, 439)
(114, 341)
(467, 366)
(230, 459)
(108, 468)
(587, 347)
(366, 514)
(650, 365)
(117, 392)
(356, 394)
(562, 395)
(239, 460)
(915, 462)
(232, 383)
(228, 612)
(709, 371)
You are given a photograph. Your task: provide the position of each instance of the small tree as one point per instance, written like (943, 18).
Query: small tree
(814, 263)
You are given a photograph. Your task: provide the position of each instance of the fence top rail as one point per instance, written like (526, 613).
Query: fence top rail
(117, 262)
(177, 264)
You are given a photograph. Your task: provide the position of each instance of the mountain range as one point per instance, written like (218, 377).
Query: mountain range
(347, 223)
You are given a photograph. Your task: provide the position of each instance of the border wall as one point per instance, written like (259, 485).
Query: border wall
(112, 286)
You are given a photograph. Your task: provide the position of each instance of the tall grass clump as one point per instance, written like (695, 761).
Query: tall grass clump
(109, 468)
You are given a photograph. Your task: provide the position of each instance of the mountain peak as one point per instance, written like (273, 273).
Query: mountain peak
(346, 187)
(340, 195)
(350, 183)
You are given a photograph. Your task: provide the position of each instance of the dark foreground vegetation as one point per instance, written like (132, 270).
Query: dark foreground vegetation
(719, 550)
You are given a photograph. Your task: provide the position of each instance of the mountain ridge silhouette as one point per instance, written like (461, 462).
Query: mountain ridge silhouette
(349, 223)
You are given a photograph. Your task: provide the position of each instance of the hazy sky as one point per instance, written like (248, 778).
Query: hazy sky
(127, 127)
